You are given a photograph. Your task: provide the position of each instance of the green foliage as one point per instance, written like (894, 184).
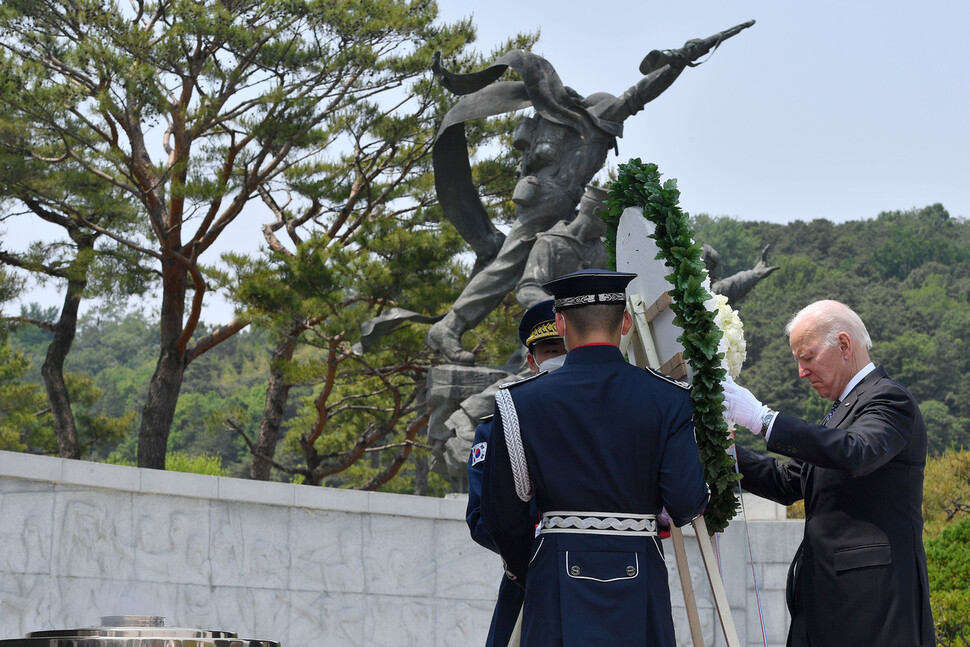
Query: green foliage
(11, 286)
(177, 461)
(950, 553)
(946, 490)
(739, 245)
(116, 352)
(904, 241)
(34, 339)
(403, 483)
(22, 426)
(96, 431)
(946, 536)
(948, 430)
(25, 420)
(638, 184)
(201, 464)
(948, 562)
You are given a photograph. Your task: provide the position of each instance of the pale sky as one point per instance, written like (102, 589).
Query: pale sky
(823, 109)
(836, 110)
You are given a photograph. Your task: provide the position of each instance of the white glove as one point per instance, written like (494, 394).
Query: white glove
(741, 407)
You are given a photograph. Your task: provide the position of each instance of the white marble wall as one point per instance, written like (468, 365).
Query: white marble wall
(304, 566)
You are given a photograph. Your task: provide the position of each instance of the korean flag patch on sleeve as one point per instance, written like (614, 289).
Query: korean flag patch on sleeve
(478, 453)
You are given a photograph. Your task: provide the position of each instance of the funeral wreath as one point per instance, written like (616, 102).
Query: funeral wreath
(639, 185)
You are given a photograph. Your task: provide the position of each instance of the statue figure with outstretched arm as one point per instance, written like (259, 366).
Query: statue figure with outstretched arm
(738, 285)
(563, 145)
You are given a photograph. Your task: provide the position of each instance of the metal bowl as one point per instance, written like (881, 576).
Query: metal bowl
(134, 631)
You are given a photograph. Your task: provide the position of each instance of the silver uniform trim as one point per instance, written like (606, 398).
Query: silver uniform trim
(588, 299)
(513, 441)
(629, 576)
(598, 523)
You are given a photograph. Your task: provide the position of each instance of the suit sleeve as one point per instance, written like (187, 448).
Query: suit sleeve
(473, 513)
(767, 478)
(878, 431)
(505, 515)
(683, 488)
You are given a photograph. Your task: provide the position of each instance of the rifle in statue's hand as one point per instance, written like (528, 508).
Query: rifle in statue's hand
(690, 52)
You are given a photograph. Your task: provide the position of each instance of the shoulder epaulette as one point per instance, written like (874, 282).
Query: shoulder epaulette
(508, 385)
(667, 378)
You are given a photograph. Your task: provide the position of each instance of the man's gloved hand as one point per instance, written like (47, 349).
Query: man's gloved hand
(741, 407)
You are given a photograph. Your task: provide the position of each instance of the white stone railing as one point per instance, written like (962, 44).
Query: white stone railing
(305, 566)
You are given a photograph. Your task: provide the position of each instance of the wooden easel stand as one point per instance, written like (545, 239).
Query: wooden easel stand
(645, 354)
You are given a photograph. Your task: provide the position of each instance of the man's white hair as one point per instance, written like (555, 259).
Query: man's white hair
(828, 318)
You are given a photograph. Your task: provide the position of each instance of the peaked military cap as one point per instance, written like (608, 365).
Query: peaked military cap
(538, 323)
(588, 287)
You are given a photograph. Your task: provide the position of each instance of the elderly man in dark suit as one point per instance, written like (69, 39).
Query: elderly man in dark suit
(859, 576)
(602, 446)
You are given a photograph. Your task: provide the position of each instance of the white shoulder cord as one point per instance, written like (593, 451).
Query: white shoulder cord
(513, 440)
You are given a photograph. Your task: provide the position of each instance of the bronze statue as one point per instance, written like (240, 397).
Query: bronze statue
(563, 145)
(567, 247)
(736, 286)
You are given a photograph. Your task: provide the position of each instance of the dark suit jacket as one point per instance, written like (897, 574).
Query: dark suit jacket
(859, 577)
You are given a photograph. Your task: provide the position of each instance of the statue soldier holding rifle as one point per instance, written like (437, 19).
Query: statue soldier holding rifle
(563, 146)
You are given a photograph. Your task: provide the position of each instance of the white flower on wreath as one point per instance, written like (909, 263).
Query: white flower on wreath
(732, 340)
(732, 345)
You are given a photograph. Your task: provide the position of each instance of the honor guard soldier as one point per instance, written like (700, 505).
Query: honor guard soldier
(602, 447)
(537, 331)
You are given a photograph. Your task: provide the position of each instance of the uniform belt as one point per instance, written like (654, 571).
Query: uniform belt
(598, 523)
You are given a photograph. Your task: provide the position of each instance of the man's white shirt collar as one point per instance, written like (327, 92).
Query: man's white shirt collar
(868, 368)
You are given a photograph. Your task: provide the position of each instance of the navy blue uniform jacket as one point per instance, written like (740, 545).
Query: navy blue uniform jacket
(599, 435)
(510, 594)
(860, 572)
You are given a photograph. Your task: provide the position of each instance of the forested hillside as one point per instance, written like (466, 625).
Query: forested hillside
(906, 273)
